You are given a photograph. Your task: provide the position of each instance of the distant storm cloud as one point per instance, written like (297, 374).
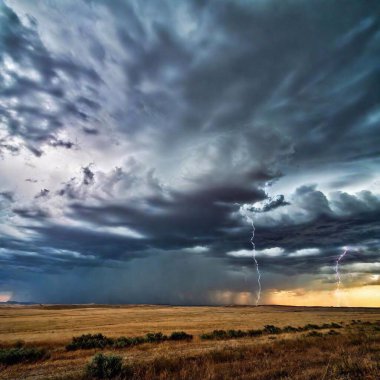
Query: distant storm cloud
(132, 133)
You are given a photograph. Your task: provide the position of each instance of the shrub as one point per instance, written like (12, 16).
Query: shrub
(236, 334)
(155, 337)
(137, 340)
(230, 334)
(219, 334)
(88, 341)
(21, 354)
(310, 326)
(104, 366)
(314, 334)
(254, 332)
(180, 335)
(122, 342)
(290, 329)
(270, 329)
(216, 334)
(206, 336)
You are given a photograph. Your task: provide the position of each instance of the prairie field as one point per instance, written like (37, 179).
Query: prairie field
(314, 352)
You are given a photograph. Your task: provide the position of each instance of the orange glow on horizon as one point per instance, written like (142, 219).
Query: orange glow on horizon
(365, 296)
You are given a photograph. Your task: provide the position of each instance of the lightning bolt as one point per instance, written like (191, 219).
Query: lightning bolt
(243, 211)
(337, 275)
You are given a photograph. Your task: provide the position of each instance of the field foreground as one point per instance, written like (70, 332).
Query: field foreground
(351, 352)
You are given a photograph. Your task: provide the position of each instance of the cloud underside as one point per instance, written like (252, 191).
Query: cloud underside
(140, 141)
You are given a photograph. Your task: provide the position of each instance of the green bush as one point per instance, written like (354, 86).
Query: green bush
(290, 329)
(21, 354)
(155, 337)
(230, 334)
(180, 335)
(270, 329)
(206, 336)
(255, 332)
(216, 334)
(104, 366)
(123, 342)
(137, 340)
(311, 326)
(88, 341)
(236, 334)
(219, 334)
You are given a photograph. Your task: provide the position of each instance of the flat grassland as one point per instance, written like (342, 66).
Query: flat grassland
(352, 354)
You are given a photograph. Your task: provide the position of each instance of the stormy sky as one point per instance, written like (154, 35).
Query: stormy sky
(134, 133)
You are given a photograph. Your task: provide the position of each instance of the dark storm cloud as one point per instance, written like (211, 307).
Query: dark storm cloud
(180, 280)
(345, 219)
(176, 228)
(33, 76)
(269, 204)
(261, 77)
(100, 247)
(173, 222)
(263, 70)
(216, 99)
(353, 223)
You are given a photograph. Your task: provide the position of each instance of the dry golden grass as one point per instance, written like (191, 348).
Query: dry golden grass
(53, 327)
(347, 357)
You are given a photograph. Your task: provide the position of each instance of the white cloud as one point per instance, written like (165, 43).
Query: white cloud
(196, 249)
(270, 252)
(305, 252)
(240, 253)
